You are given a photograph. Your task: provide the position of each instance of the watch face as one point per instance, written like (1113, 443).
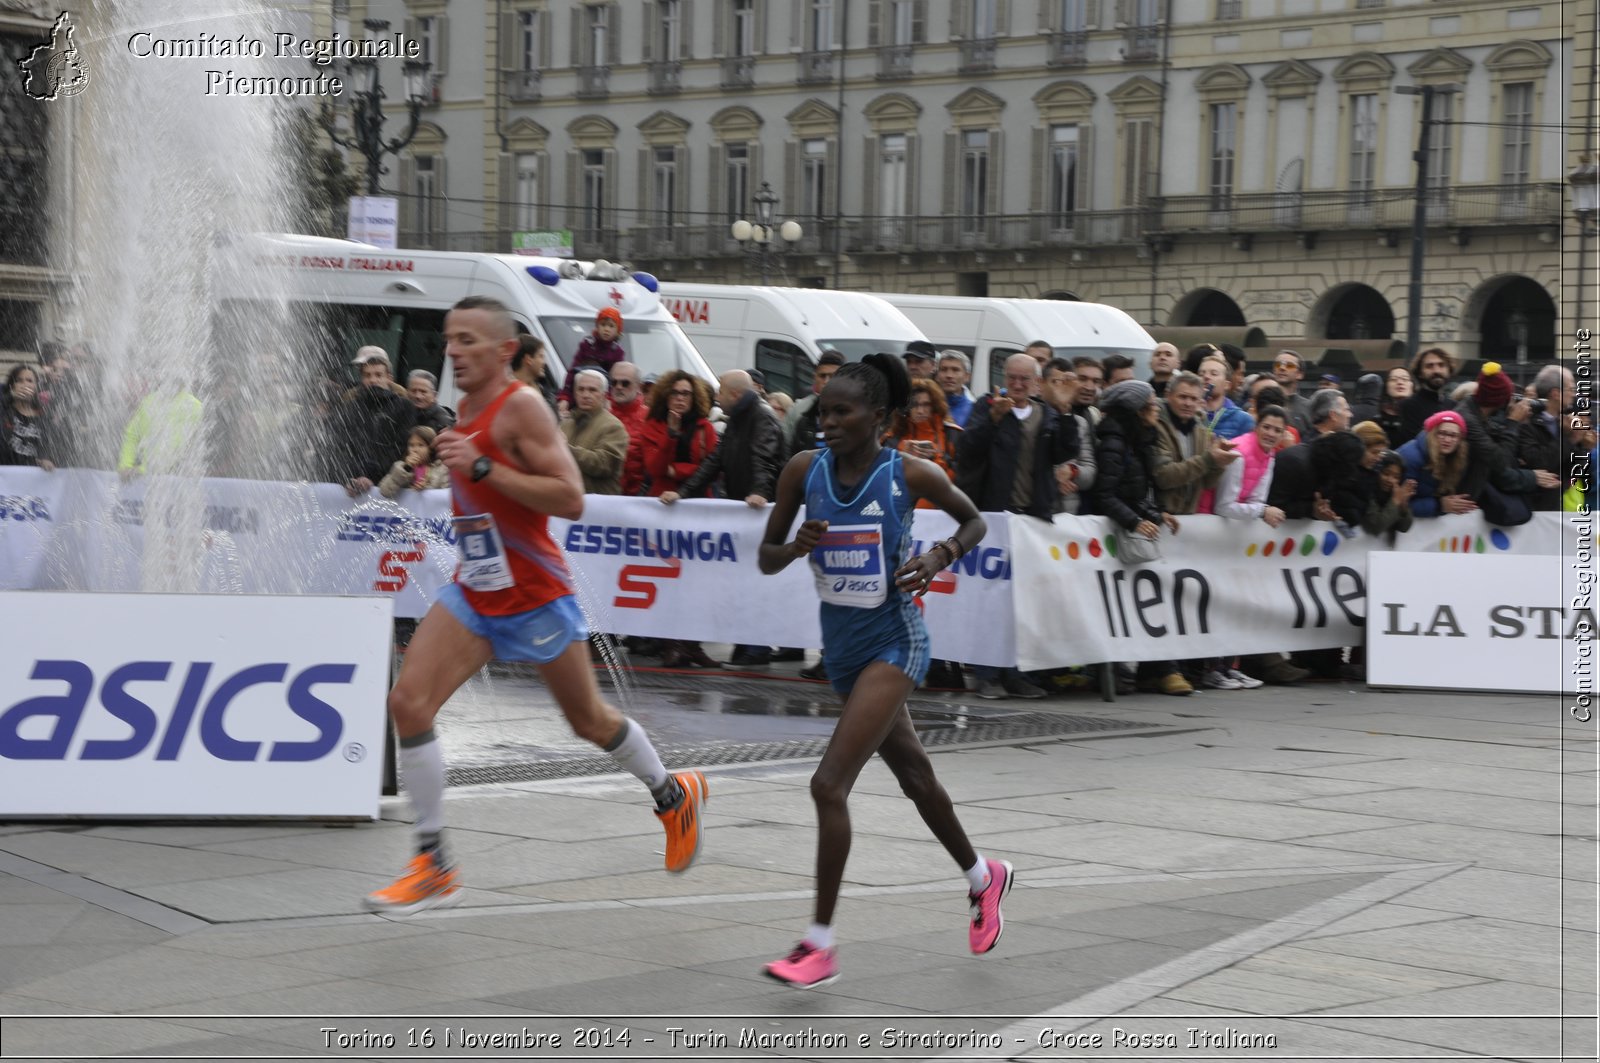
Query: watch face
(481, 467)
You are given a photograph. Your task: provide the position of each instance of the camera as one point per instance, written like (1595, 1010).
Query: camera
(1536, 406)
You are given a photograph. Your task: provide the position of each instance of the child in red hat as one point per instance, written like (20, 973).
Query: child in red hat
(599, 350)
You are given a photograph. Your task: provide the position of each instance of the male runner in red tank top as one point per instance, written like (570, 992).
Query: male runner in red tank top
(512, 598)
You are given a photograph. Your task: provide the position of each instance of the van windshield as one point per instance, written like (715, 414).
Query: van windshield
(656, 347)
(855, 349)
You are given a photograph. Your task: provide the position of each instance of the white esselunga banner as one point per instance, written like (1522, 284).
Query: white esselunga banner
(1044, 595)
(689, 571)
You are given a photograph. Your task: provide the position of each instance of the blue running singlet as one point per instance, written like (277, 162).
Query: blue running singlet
(865, 616)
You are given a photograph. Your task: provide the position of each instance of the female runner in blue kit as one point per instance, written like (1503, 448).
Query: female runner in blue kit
(858, 498)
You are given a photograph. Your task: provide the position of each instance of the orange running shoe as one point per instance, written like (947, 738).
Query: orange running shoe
(682, 821)
(424, 884)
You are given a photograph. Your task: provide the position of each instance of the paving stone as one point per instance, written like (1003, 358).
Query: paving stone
(130, 864)
(1474, 810)
(1503, 850)
(1380, 917)
(94, 1038)
(154, 976)
(545, 969)
(270, 940)
(704, 878)
(1452, 778)
(584, 928)
(1487, 948)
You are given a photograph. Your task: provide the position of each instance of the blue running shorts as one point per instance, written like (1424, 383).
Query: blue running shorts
(903, 653)
(539, 635)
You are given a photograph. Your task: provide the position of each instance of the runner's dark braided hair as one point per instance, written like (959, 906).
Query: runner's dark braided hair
(883, 379)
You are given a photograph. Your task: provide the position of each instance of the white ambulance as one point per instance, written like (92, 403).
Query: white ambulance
(781, 331)
(990, 330)
(337, 295)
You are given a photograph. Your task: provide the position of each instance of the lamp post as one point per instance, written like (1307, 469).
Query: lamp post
(1585, 183)
(366, 108)
(758, 235)
(1419, 215)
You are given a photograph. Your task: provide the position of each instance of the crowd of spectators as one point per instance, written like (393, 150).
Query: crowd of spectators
(1082, 436)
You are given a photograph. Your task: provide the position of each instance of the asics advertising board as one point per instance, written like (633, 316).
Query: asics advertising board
(192, 705)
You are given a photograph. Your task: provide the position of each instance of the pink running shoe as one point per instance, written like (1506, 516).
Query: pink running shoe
(987, 923)
(807, 967)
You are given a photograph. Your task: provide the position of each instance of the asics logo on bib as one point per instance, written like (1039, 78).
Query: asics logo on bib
(159, 713)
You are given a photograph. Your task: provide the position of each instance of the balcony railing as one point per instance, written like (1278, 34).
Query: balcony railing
(897, 234)
(738, 71)
(1480, 205)
(666, 77)
(977, 56)
(815, 67)
(1141, 44)
(894, 61)
(594, 82)
(1068, 48)
(523, 86)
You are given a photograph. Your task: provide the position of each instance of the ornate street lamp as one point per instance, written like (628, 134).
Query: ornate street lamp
(757, 236)
(366, 109)
(1585, 183)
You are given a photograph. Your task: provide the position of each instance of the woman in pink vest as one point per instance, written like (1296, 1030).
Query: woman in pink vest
(1242, 491)
(1242, 495)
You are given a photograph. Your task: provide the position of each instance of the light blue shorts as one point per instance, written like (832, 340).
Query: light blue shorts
(539, 635)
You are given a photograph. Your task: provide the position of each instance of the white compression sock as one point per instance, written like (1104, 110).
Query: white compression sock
(632, 749)
(978, 875)
(820, 935)
(422, 769)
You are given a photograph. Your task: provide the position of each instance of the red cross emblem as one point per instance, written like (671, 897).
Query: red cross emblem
(616, 296)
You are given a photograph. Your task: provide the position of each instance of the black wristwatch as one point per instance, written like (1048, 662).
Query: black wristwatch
(481, 468)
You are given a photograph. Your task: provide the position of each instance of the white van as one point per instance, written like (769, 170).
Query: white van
(351, 294)
(990, 330)
(781, 331)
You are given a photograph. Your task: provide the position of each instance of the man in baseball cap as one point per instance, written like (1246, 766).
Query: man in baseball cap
(920, 356)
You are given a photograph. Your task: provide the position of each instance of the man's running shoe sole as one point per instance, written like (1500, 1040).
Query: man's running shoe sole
(448, 899)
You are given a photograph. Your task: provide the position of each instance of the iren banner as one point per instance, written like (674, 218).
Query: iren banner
(1220, 587)
(1043, 594)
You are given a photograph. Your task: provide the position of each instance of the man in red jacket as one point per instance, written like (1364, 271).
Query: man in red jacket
(628, 406)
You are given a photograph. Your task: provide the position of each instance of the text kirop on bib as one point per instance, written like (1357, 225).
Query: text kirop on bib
(849, 566)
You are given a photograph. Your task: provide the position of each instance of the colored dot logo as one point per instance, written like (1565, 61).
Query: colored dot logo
(1076, 551)
(1500, 539)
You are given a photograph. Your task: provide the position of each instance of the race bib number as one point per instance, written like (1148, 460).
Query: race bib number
(848, 564)
(483, 554)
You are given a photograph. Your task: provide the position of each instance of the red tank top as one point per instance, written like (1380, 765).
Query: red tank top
(538, 570)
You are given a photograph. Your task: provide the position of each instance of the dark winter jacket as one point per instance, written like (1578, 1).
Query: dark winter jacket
(373, 430)
(749, 456)
(1124, 483)
(1493, 446)
(986, 458)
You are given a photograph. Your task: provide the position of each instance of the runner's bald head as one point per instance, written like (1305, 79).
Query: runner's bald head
(502, 326)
